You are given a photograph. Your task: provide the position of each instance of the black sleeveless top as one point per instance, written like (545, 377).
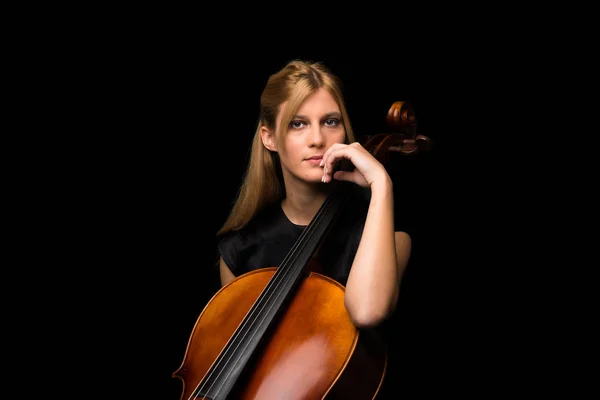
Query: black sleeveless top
(269, 236)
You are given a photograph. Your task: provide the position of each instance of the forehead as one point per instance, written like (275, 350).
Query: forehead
(319, 102)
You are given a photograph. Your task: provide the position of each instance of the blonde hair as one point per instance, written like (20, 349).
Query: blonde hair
(263, 183)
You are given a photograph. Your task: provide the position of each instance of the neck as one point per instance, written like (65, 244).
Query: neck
(300, 206)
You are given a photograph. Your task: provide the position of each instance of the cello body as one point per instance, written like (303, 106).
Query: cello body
(313, 350)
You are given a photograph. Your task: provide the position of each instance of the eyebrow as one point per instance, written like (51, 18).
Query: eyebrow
(334, 114)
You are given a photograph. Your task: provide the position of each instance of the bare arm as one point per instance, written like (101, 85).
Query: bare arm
(373, 284)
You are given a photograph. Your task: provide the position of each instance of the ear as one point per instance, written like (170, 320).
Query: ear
(268, 138)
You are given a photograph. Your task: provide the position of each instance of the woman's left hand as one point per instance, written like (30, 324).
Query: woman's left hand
(367, 168)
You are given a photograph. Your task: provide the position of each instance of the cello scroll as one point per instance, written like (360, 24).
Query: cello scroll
(403, 139)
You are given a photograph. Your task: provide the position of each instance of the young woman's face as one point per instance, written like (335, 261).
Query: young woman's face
(315, 127)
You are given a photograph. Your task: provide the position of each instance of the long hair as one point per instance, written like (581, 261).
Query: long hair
(263, 181)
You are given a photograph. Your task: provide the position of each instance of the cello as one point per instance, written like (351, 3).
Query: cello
(283, 332)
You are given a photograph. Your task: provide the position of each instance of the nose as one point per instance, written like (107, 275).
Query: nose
(316, 137)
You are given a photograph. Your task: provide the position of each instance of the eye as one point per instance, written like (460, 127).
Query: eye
(297, 124)
(332, 122)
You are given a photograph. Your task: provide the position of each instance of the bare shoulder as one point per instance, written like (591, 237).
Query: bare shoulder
(402, 236)
(403, 249)
(225, 273)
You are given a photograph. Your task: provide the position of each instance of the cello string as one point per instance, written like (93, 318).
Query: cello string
(266, 296)
(268, 292)
(275, 281)
(287, 273)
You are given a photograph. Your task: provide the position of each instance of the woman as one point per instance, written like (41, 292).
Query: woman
(302, 136)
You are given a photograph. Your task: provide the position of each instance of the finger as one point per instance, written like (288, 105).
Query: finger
(327, 154)
(344, 176)
(333, 154)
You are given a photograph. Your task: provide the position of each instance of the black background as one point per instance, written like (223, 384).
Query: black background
(175, 120)
(135, 123)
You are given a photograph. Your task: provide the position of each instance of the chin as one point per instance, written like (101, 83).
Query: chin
(312, 177)
(310, 180)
